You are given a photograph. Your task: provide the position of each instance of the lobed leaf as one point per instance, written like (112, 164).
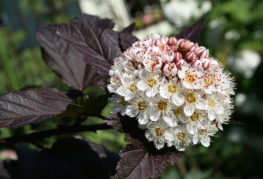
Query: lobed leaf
(193, 32)
(19, 108)
(81, 52)
(138, 163)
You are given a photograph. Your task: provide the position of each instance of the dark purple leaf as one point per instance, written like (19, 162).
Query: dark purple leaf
(126, 38)
(81, 52)
(193, 32)
(90, 159)
(3, 172)
(90, 20)
(67, 159)
(65, 60)
(138, 163)
(19, 108)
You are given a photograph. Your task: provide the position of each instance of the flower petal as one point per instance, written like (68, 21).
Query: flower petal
(189, 109)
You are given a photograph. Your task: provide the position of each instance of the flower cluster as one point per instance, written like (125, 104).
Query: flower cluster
(177, 92)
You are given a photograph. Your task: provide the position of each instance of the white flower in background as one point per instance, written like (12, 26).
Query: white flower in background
(180, 12)
(177, 92)
(245, 62)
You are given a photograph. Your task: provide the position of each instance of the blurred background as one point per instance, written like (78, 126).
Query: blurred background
(233, 33)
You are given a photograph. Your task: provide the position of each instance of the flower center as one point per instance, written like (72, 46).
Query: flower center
(172, 88)
(190, 98)
(151, 82)
(190, 78)
(195, 117)
(158, 132)
(181, 135)
(177, 112)
(162, 105)
(122, 102)
(142, 105)
(211, 102)
(203, 131)
(133, 87)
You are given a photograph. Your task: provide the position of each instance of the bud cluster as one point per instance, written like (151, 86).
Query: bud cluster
(177, 92)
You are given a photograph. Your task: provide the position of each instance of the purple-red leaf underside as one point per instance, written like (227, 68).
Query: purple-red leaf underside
(138, 163)
(19, 108)
(193, 32)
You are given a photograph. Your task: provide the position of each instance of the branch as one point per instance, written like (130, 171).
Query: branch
(48, 133)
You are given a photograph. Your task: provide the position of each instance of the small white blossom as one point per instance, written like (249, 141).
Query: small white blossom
(172, 90)
(203, 135)
(156, 133)
(191, 77)
(149, 83)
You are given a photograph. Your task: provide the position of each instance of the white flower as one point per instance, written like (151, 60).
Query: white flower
(149, 83)
(191, 77)
(119, 105)
(193, 100)
(172, 90)
(179, 137)
(214, 106)
(139, 107)
(161, 108)
(203, 135)
(196, 121)
(223, 118)
(156, 133)
(128, 88)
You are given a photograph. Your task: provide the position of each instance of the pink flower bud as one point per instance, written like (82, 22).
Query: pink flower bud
(165, 40)
(174, 48)
(167, 48)
(205, 63)
(177, 56)
(167, 55)
(202, 52)
(180, 63)
(172, 41)
(197, 64)
(170, 70)
(191, 56)
(185, 45)
(194, 47)
(158, 43)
